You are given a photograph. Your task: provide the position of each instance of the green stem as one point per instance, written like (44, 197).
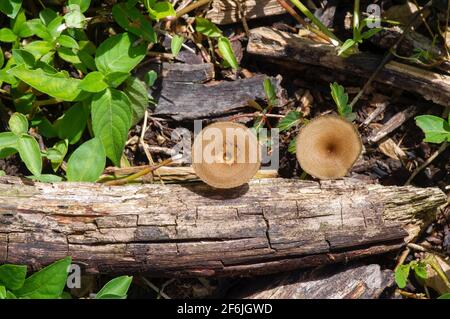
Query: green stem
(356, 14)
(317, 22)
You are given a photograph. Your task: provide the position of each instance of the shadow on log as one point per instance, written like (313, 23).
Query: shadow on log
(356, 282)
(267, 226)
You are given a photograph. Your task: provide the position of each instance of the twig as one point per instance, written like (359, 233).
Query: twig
(427, 162)
(159, 291)
(144, 145)
(402, 258)
(411, 295)
(144, 172)
(243, 19)
(191, 7)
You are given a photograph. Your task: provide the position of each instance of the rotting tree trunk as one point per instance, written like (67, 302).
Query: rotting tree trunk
(267, 226)
(293, 50)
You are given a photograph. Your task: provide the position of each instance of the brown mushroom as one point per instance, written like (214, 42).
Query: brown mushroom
(327, 147)
(226, 155)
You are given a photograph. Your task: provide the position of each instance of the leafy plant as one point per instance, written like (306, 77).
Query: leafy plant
(402, 272)
(105, 97)
(49, 283)
(209, 29)
(340, 97)
(420, 268)
(436, 129)
(350, 46)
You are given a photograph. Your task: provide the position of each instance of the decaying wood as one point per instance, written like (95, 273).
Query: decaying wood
(226, 11)
(182, 100)
(281, 47)
(363, 282)
(393, 123)
(267, 226)
(176, 174)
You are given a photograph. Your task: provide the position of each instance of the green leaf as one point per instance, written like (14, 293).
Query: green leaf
(54, 27)
(68, 55)
(291, 119)
(83, 4)
(131, 19)
(30, 154)
(111, 120)
(117, 287)
(38, 28)
(93, 82)
(46, 178)
(74, 18)
(6, 35)
(47, 283)
(348, 44)
(12, 276)
(270, 92)
(8, 144)
(370, 33)
(444, 296)
(39, 48)
(2, 292)
(59, 85)
(137, 93)
(18, 124)
(206, 27)
(10, 7)
(227, 52)
(2, 60)
(150, 77)
(117, 54)
(116, 78)
(20, 26)
(292, 148)
(341, 99)
(10, 295)
(436, 129)
(176, 44)
(57, 153)
(68, 42)
(420, 269)
(23, 57)
(401, 275)
(87, 163)
(161, 10)
(72, 123)
(2, 173)
(47, 15)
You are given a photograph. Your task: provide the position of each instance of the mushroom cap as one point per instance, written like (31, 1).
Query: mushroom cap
(328, 146)
(226, 155)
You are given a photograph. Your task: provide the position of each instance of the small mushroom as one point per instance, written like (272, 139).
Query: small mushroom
(226, 155)
(327, 147)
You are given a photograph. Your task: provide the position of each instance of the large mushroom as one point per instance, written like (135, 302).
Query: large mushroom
(226, 155)
(327, 147)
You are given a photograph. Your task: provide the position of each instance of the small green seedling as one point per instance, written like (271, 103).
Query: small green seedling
(436, 129)
(420, 269)
(49, 283)
(209, 29)
(340, 97)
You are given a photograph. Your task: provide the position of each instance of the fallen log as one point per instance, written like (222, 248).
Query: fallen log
(184, 100)
(295, 51)
(267, 226)
(226, 11)
(356, 282)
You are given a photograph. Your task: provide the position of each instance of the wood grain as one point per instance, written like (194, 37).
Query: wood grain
(267, 226)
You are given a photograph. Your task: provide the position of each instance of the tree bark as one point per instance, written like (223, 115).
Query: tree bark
(295, 51)
(267, 226)
(355, 282)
